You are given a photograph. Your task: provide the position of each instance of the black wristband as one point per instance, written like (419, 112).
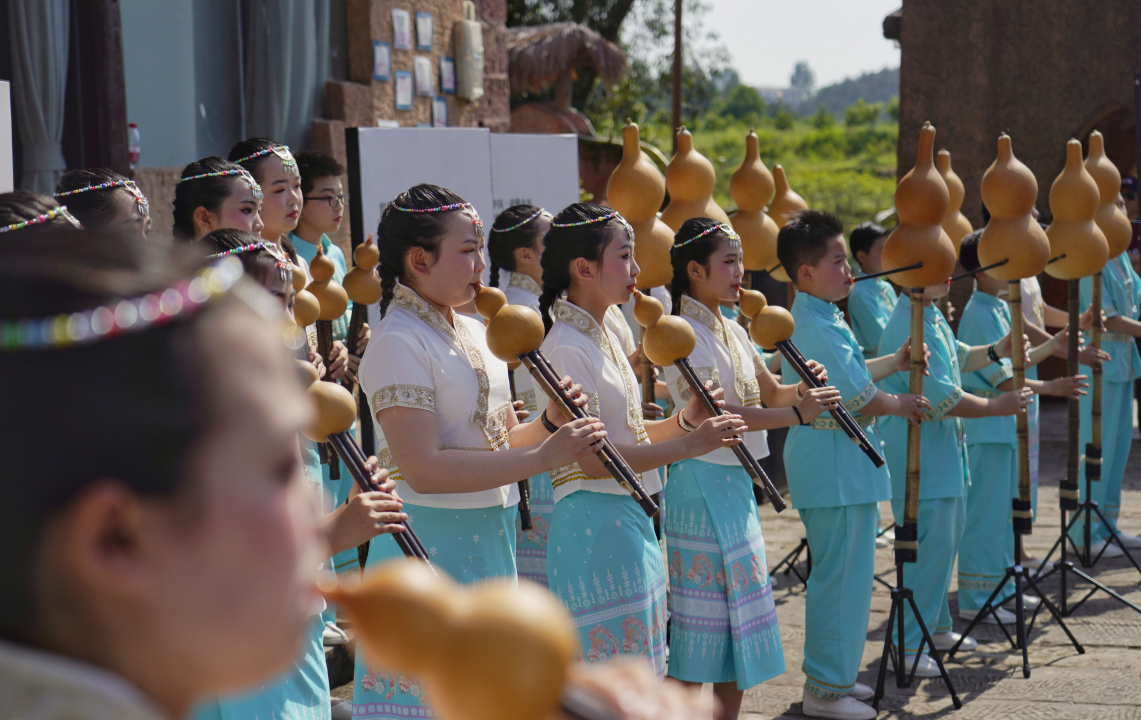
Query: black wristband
(990, 353)
(799, 417)
(547, 423)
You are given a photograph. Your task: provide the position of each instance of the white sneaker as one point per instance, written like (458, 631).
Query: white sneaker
(946, 640)
(1129, 541)
(882, 542)
(846, 708)
(1004, 615)
(1042, 567)
(342, 710)
(333, 635)
(927, 667)
(862, 692)
(1112, 551)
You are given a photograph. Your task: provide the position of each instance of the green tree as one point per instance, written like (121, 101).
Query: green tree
(803, 80)
(741, 103)
(822, 118)
(893, 108)
(784, 120)
(862, 113)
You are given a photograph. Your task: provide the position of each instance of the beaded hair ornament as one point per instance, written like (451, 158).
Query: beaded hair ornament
(466, 208)
(289, 164)
(734, 238)
(539, 212)
(128, 185)
(130, 315)
(283, 265)
(601, 218)
(46, 217)
(240, 172)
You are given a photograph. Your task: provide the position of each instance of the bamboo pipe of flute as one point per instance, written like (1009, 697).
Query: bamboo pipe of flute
(359, 454)
(907, 546)
(1093, 450)
(1023, 516)
(1068, 487)
(525, 483)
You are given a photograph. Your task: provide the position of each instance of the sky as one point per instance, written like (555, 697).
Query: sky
(838, 38)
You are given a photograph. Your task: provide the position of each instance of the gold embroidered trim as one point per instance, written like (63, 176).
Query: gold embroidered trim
(827, 423)
(409, 396)
(1115, 337)
(592, 403)
(523, 282)
(963, 351)
(985, 392)
(384, 459)
(494, 423)
(577, 318)
(529, 403)
(704, 374)
(574, 473)
(862, 399)
(1003, 373)
(938, 412)
(747, 388)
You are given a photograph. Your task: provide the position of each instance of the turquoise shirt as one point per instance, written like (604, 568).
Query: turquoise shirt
(308, 251)
(1120, 295)
(824, 467)
(869, 305)
(943, 466)
(985, 320)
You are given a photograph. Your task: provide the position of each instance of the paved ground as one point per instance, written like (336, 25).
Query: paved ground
(1102, 683)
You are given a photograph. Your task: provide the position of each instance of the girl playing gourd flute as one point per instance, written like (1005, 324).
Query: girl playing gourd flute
(725, 631)
(443, 414)
(605, 563)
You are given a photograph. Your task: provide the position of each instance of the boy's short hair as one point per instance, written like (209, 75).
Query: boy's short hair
(864, 236)
(969, 251)
(804, 239)
(314, 165)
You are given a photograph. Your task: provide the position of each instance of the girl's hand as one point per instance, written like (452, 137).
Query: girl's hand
(338, 360)
(368, 514)
(652, 411)
(362, 339)
(318, 362)
(574, 441)
(818, 401)
(520, 413)
(819, 371)
(1092, 357)
(913, 407)
(1060, 340)
(1072, 386)
(715, 433)
(574, 395)
(903, 358)
(1013, 402)
(694, 410)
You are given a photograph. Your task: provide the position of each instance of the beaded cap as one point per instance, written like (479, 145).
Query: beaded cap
(519, 225)
(129, 185)
(734, 238)
(39, 219)
(282, 151)
(240, 172)
(130, 315)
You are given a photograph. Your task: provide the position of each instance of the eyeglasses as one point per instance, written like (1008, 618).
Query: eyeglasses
(334, 201)
(1130, 196)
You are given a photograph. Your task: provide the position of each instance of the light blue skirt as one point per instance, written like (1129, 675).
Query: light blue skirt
(723, 619)
(302, 694)
(468, 545)
(606, 566)
(531, 546)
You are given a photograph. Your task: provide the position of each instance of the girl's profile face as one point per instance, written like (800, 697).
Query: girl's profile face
(617, 269)
(283, 291)
(456, 271)
(127, 219)
(722, 273)
(282, 204)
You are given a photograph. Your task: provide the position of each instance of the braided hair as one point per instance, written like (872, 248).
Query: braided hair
(511, 231)
(22, 205)
(565, 244)
(207, 192)
(686, 248)
(399, 232)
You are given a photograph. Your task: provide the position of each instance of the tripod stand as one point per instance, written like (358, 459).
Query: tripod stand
(793, 558)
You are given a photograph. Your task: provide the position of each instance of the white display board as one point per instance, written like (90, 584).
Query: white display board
(7, 179)
(534, 170)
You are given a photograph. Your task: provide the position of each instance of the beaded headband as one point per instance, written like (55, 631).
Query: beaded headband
(466, 208)
(734, 238)
(601, 218)
(131, 315)
(240, 172)
(289, 164)
(129, 185)
(46, 217)
(283, 266)
(519, 225)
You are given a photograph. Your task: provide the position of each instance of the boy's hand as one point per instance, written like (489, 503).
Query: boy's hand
(1002, 348)
(1072, 386)
(1092, 357)
(949, 311)
(913, 407)
(903, 358)
(1013, 402)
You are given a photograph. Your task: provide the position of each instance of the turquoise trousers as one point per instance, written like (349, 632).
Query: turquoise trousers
(987, 548)
(1116, 437)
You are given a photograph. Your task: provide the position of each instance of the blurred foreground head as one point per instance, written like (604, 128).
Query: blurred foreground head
(152, 515)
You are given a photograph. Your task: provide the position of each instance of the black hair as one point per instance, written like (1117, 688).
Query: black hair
(685, 248)
(804, 239)
(260, 264)
(129, 408)
(21, 205)
(565, 244)
(398, 232)
(207, 192)
(501, 246)
(864, 236)
(314, 165)
(94, 208)
(969, 251)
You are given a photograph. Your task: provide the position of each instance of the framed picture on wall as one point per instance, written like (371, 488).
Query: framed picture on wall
(423, 31)
(425, 84)
(381, 61)
(403, 90)
(447, 75)
(439, 111)
(401, 30)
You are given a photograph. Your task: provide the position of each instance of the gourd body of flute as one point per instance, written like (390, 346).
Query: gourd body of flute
(1074, 201)
(690, 178)
(1009, 191)
(955, 224)
(784, 205)
(1113, 223)
(752, 188)
(637, 189)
